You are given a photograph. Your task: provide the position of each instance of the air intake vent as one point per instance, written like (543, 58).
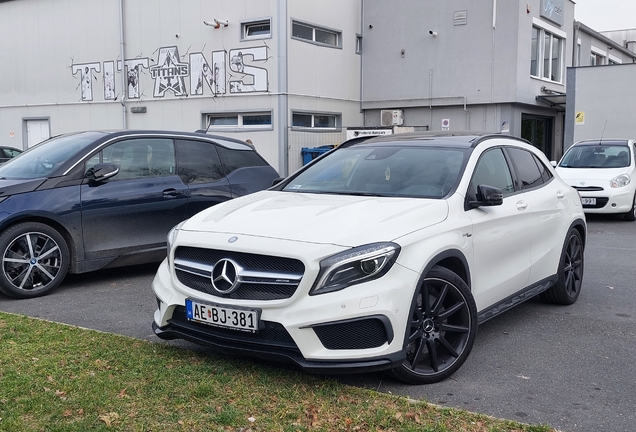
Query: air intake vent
(460, 18)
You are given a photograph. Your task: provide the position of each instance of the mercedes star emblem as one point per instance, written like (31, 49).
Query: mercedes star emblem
(225, 276)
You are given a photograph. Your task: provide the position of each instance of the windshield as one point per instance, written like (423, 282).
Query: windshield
(427, 172)
(42, 159)
(596, 156)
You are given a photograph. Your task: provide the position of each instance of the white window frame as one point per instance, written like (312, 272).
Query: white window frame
(314, 28)
(337, 120)
(245, 25)
(239, 126)
(598, 54)
(554, 33)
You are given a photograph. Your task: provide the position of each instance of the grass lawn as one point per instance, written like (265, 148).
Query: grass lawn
(55, 377)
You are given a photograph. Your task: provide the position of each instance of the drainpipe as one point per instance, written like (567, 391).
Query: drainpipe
(283, 98)
(123, 68)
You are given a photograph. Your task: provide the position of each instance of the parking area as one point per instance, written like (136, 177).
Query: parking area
(568, 367)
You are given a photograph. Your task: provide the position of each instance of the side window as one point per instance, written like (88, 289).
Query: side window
(199, 162)
(145, 157)
(527, 170)
(235, 159)
(492, 170)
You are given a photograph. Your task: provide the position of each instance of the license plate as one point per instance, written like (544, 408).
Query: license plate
(223, 316)
(588, 201)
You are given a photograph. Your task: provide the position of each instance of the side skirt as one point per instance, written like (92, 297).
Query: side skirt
(515, 299)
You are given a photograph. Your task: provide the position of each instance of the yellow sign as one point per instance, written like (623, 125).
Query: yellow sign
(579, 119)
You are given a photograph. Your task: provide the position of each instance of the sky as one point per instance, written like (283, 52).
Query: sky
(603, 15)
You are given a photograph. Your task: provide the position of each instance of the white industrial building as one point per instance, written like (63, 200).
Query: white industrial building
(288, 74)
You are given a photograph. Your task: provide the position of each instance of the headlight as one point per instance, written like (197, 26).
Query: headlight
(357, 265)
(172, 235)
(620, 181)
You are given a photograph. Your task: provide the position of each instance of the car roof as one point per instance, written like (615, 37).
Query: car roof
(223, 140)
(605, 141)
(459, 139)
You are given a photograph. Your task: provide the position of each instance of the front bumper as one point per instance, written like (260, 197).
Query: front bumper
(321, 333)
(619, 202)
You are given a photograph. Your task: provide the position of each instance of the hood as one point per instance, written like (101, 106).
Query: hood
(320, 218)
(17, 186)
(590, 176)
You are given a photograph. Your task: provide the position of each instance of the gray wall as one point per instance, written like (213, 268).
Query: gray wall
(606, 98)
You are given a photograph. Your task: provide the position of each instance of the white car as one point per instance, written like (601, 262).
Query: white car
(382, 254)
(603, 171)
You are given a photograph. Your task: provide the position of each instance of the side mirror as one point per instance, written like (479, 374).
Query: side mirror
(553, 163)
(102, 172)
(487, 196)
(277, 180)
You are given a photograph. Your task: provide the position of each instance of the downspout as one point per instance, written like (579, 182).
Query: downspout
(123, 67)
(575, 45)
(283, 98)
(492, 64)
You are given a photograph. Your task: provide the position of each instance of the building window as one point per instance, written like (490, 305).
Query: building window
(260, 29)
(546, 55)
(317, 35)
(319, 121)
(239, 120)
(598, 57)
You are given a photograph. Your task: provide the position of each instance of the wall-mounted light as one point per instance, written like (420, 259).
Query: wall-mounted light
(432, 33)
(217, 23)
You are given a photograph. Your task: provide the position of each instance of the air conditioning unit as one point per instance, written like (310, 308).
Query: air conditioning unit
(392, 117)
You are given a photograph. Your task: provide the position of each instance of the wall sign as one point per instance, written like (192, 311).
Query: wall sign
(245, 72)
(553, 10)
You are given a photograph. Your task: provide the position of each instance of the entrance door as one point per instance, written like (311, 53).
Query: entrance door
(538, 130)
(37, 131)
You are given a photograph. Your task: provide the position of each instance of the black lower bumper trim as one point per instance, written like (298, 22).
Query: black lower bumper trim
(171, 332)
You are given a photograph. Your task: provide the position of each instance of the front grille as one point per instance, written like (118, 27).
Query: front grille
(356, 334)
(262, 277)
(600, 203)
(271, 333)
(588, 188)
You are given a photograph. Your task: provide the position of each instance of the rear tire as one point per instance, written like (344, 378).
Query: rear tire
(441, 329)
(570, 272)
(35, 259)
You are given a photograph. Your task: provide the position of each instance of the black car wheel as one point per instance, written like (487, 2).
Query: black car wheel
(441, 331)
(570, 272)
(631, 215)
(35, 259)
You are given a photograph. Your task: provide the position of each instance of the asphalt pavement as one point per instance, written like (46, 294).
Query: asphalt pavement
(570, 367)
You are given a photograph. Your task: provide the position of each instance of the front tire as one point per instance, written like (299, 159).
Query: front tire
(35, 259)
(631, 215)
(570, 272)
(441, 330)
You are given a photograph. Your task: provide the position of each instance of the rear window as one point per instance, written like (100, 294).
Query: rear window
(236, 159)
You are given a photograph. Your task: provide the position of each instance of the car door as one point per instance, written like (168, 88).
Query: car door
(502, 235)
(134, 210)
(200, 168)
(544, 203)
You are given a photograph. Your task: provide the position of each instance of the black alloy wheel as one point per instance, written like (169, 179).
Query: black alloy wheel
(35, 259)
(570, 272)
(441, 330)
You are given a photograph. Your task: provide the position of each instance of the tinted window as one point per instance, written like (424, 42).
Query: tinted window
(596, 156)
(42, 159)
(200, 162)
(142, 157)
(235, 159)
(526, 167)
(492, 170)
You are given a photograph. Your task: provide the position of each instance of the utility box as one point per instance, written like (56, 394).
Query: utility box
(392, 117)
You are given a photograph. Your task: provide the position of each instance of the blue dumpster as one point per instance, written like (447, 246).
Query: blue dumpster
(311, 153)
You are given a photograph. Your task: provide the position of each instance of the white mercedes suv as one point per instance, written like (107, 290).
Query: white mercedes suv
(382, 254)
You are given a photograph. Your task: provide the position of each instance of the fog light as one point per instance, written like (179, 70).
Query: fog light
(613, 204)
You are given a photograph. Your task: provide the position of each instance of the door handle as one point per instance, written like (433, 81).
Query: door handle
(522, 205)
(172, 193)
